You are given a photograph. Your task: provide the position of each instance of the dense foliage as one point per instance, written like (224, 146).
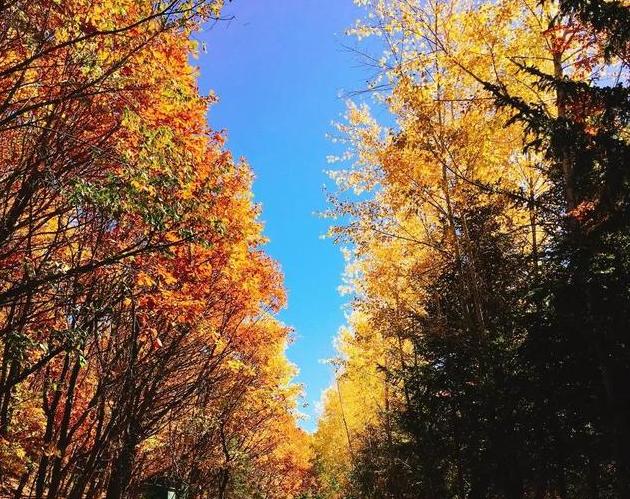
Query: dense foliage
(487, 352)
(137, 338)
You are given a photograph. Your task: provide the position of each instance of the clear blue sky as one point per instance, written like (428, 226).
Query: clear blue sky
(278, 69)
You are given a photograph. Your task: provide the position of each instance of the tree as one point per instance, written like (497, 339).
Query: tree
(470, 251)
(136, 301)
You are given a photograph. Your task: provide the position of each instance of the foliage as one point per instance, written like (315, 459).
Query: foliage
(137, 329)
(487, 242)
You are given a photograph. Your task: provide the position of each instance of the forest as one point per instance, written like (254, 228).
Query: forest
(482, 206)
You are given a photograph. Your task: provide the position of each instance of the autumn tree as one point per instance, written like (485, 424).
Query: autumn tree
(135, 295)
(463, 239)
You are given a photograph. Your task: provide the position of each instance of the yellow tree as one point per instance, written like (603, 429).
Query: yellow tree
(437, 191)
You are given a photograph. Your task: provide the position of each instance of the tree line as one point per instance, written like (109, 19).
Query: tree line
(138, 343)
(487, 237)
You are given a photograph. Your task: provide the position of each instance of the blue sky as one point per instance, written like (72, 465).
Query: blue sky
(279, 69)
